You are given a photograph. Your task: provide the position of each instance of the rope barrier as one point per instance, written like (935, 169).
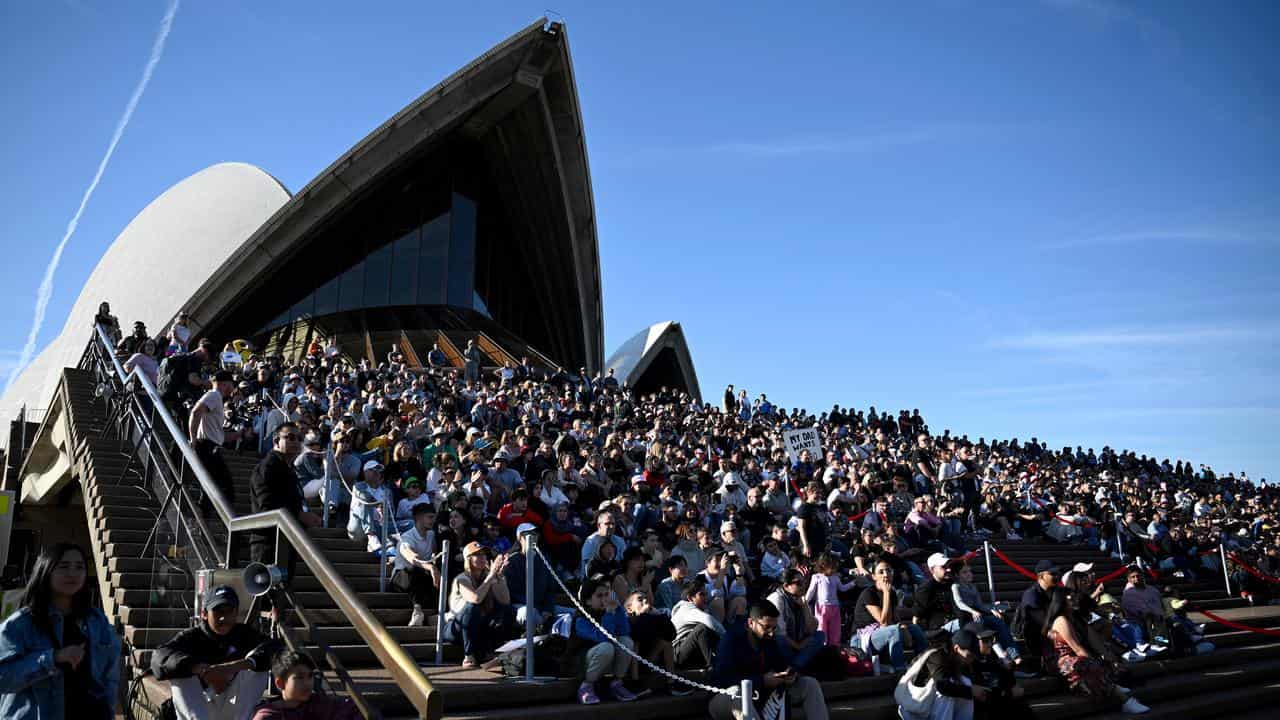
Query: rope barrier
(1235, 625)
(730, 692)
(1252, 570)
(1009, 561)
(1118, 573)
(1064, 519)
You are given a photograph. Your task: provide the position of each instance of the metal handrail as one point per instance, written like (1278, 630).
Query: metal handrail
(408, 676)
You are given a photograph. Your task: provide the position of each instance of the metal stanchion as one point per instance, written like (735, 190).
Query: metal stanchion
(529, 611)
(744, 691)
(444, 600)
(1119, 539)
(1226, 574)
(991, 579)
(382, 553)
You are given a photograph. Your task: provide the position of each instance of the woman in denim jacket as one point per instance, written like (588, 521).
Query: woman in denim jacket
(59, 657)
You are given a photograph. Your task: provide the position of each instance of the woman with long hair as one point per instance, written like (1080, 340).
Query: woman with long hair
(59, 657)
(1069, 652)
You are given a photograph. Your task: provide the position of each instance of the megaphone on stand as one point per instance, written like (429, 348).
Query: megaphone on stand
(259, 579)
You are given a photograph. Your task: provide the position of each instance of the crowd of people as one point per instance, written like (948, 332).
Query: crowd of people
(696, 540)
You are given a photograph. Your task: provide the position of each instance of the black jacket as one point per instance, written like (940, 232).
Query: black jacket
(193, 646)
(274, 485)
(934, 606)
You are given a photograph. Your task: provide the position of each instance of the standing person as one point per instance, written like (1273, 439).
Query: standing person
(748, 651)
(480, 614)
(824, 596)
(274, 486)
(181, 332)
(810, 524)
(217, 669)
(59, 657)
(471, 358)
(205, 428)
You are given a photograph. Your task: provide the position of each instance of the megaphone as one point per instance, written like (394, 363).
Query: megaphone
(259, 579)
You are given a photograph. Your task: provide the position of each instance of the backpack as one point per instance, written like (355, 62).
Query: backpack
(547, 657)
(172, 376)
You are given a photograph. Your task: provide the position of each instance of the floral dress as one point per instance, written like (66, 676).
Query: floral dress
(1089, 675)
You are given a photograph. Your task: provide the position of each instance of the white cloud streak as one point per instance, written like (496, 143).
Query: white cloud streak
(1129, 338)
(45, 291)
(856, 144)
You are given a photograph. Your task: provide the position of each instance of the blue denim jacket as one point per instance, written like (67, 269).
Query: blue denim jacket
(31, 685)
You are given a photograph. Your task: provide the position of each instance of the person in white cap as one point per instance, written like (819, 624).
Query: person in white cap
(369, 498)
(933, 603)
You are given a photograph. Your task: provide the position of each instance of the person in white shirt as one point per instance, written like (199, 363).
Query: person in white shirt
(416, 570)
(205, 427)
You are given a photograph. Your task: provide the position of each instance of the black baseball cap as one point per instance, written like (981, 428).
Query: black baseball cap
(965, 639)
(979, 630)
(221, 595)
(1048, 566)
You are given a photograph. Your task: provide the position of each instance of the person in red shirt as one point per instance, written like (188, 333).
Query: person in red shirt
(517, 511)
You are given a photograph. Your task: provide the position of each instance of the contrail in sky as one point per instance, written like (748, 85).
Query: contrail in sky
(46, 284)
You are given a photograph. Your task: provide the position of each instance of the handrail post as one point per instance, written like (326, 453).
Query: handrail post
(991, 580)
(744, 694)
(529, 609)
(444, 600)
(382, 552)
(1226, 574)
(1119, 538)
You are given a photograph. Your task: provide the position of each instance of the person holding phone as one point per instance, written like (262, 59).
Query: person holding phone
(748, 650)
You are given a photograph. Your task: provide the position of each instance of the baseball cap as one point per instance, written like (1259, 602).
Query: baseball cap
(219, 596)
(1106, 599)
(728, 525)
(965, 639)
(1082, 567)
(525, 528)
(937, 560)
(1048, 566)
(412, 482)
(472, 548)
(373, 465)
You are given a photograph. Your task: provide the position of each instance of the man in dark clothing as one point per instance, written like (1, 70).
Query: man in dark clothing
(218, 669)
(1003, 695)
(544, 587)
(934, 606)
(274, 486)
(811, 525)
(748, 651)
(1034, 604)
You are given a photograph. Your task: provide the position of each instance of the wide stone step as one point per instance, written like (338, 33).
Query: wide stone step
(153, 636)
(351, 656)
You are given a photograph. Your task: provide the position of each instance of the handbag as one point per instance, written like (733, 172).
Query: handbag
(913, 701)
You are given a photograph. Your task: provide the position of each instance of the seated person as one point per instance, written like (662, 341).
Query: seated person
(748, 651)
(293, 675)
(421, 574)
(728, 598)
(218, 669)
(412, 498)
(697, 630)
(798, 635)
(366, 519)
(601, 654)
(671, 589)
(480, 614)
(653, 633)
(876, 629)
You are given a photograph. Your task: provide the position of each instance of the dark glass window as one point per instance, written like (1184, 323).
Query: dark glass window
(462, 252)
(377, 277)
(404, 269)
(327, 298)
(304, 309)
(433, 261)
(351, 288)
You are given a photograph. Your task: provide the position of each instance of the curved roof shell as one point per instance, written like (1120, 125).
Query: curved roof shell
(150, 269)
(659, 344)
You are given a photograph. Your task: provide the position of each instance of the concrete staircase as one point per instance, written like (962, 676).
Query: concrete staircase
(1237, 680)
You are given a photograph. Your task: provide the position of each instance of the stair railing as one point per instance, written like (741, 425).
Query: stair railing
(404, 670)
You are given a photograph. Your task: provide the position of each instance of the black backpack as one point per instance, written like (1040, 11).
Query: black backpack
(172, 376)
(547, 658)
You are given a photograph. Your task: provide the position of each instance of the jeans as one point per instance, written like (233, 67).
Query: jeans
(799, 659)
(478, 631)
(888, 639)
(603, 658)
(806, 692)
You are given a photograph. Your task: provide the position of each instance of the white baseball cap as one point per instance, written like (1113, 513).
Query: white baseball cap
(526, 528)
(938, 560)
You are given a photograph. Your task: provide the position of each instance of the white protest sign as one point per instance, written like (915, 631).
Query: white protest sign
(802, 439)
(231, 359)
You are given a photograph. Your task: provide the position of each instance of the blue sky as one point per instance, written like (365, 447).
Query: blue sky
(1053, 218)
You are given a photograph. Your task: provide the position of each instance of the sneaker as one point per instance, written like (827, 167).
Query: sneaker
(418, 619)
(1155, 650)
(1133, 707)
(620, 691)
(587, 694)
(1012, 536)
(1133, 656)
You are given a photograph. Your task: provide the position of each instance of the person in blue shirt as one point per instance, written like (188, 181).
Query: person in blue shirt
(602, 656)
(748, 651)
(59, 657)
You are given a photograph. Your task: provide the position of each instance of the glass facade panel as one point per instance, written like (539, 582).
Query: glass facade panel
(433, 261)
(351, 288)
(462, 252)
(404, 269)
(377, 277)
(327, 298)
(304, 309)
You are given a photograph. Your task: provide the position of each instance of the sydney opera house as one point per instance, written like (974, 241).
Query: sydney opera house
(468, 215)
